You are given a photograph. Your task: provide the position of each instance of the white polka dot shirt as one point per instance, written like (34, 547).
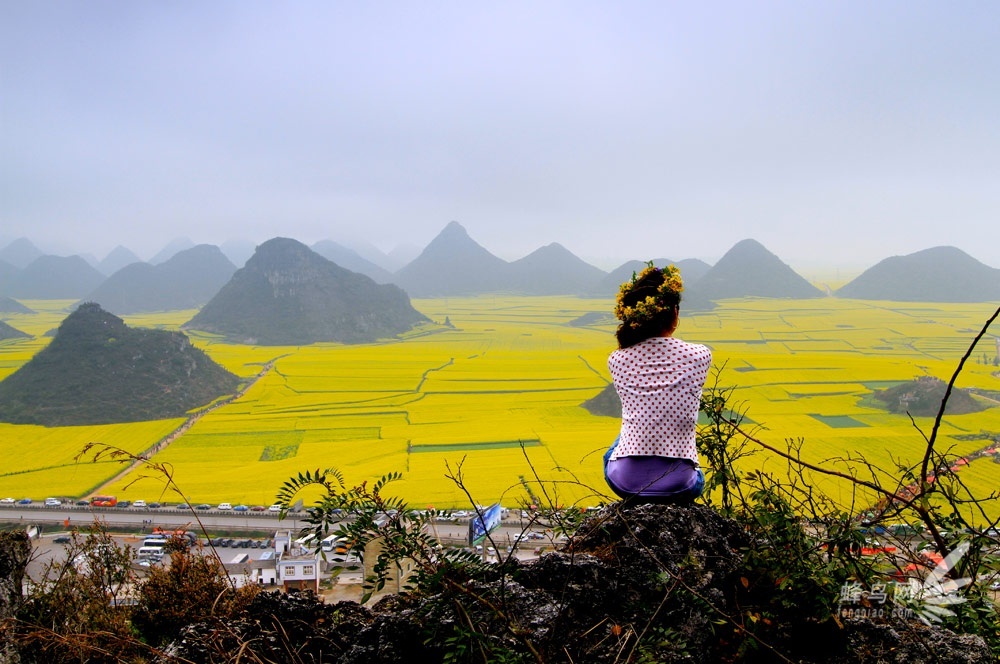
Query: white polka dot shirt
(659, 382)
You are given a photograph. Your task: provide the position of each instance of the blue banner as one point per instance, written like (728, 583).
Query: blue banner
(479, 526)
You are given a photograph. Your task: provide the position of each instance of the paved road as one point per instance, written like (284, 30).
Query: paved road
(59, 519)
(148, 518)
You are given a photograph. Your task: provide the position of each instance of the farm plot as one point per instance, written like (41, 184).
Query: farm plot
(512, 369)
(39, 460)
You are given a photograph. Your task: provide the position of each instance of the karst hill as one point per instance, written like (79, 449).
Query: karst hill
(9, 305)
(287, 294)
(748, 269)
(98, 370)
(54, 277)
(454, 264)
(186, 280)
(10, 332)
(939, 274)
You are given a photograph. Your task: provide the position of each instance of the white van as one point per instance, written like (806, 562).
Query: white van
(159, 542)
(150, 553)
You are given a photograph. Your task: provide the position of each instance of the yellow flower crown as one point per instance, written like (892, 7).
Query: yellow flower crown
(646, 310)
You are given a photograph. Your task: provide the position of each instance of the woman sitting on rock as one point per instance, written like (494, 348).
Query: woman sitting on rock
(659, 379)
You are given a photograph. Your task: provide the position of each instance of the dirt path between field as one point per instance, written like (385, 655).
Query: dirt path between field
(161, 444)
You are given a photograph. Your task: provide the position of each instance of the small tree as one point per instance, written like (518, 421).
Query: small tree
(75, 611)
(193, 588)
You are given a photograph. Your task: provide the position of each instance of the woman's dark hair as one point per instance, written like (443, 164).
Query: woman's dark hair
(648, 285)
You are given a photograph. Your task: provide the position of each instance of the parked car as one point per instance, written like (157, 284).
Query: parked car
(241, 508)
(83, 502)
(62, 539)
(274, 508)
(53, 502)
(154, 506)
(6, 501)
(124, 503)
(24, 501)
(139, 503)
(224, 506)
(257, 508)
(203, 506)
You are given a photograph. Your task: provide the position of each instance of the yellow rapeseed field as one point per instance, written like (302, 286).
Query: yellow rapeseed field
(499, 396)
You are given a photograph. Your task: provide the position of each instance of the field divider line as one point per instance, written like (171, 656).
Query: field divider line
(423, 378)
(591, 367)
(162, 443)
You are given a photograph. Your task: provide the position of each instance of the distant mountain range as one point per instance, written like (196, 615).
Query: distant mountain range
(98, 370)
(453, 264)
(350, 259)
(287, 294)
(187, 280)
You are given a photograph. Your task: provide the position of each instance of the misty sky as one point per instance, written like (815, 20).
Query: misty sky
(836, 133)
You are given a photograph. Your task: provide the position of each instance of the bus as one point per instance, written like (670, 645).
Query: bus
(103, 501)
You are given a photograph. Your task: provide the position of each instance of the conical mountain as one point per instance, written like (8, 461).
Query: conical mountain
(9, 332)
(351, 260)
(9, 305)
(939, 274)
(750, 270)
(55, 277)
(454, 264)
(171, 249)
(98, 370)
(186, 281)
(287, 294)
(116, 259)
(20, 253)
(553, 270)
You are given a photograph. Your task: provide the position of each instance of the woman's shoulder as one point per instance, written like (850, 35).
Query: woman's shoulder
(691, 348)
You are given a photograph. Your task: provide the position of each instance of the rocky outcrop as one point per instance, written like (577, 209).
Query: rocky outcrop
(643, 583)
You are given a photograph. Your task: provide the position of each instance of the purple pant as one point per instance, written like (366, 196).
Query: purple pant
(654, 478)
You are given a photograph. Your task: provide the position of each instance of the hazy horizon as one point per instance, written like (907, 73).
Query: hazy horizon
(835, 134)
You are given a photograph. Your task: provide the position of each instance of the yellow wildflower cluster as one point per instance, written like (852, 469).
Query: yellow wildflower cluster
(648, 308)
